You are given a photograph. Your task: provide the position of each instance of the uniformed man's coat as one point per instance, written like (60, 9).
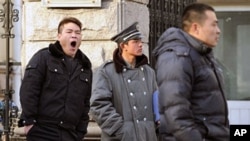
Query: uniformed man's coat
(121, 101)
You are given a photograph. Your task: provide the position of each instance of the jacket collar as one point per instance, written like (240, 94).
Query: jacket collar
(120, 63)
(197, 44)
(56, 50)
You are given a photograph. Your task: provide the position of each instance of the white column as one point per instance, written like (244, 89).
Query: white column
(16, 53)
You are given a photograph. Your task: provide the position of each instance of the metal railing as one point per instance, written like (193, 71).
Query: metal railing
(163, 14)
(8, 15)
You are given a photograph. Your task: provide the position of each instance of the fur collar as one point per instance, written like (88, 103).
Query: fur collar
(120, 63)
(56, 50)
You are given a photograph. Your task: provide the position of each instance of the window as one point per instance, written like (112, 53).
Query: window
(71, 3)
(233, 51)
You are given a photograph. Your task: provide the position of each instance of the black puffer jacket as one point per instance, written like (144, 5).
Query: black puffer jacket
(191, 94)
(48, 92)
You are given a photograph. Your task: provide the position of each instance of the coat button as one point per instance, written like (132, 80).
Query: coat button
(143, 79)
(204, 118)
(145, 119)
(124, 70)
(142, 68)
(131, 94)
(129, 80)
(134, 107)
(55, 70)
(144, 93)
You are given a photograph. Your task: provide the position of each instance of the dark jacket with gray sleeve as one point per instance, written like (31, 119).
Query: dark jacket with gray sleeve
(191, 90)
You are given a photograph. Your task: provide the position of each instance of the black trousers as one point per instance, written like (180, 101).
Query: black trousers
(42, 132)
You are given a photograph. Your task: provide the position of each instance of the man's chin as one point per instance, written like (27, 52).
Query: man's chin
(139, 54)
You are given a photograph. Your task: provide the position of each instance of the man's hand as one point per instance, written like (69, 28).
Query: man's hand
(27, 128)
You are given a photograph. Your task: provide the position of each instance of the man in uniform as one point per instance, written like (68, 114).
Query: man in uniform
(121, 101)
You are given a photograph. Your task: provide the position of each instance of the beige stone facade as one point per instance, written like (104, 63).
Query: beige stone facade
(39, 28)
(99, 25)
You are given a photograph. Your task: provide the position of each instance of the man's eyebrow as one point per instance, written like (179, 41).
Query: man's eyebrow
(78, 30)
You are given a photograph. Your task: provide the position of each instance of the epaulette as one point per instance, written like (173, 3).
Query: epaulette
(107, 62)
(179, 50)
(182, 51)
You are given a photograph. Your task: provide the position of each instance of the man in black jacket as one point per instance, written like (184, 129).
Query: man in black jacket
(191, 89)
(56, 88)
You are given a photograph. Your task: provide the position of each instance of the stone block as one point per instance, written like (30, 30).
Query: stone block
(140, 1)
(97, 52)
(138, 12)
(40, 23)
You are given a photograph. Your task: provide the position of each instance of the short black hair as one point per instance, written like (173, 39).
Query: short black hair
(194, 12)
(68, 20)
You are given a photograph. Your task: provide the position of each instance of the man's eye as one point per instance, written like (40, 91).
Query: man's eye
(137, 41)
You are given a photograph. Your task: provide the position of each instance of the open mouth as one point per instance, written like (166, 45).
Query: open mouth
(73, 43)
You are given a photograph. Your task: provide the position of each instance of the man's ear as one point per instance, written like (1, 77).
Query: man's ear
(121, 45)
(195, 28)
(58, 36)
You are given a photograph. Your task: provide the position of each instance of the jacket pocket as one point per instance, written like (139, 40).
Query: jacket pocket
(86, 78)
(55, 74)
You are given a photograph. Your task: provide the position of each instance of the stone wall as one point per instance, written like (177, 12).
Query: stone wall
(39, 28)
(99, 25)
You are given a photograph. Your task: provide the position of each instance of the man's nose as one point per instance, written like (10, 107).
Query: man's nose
(218, 30)
(73, 35)
(140, 43)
